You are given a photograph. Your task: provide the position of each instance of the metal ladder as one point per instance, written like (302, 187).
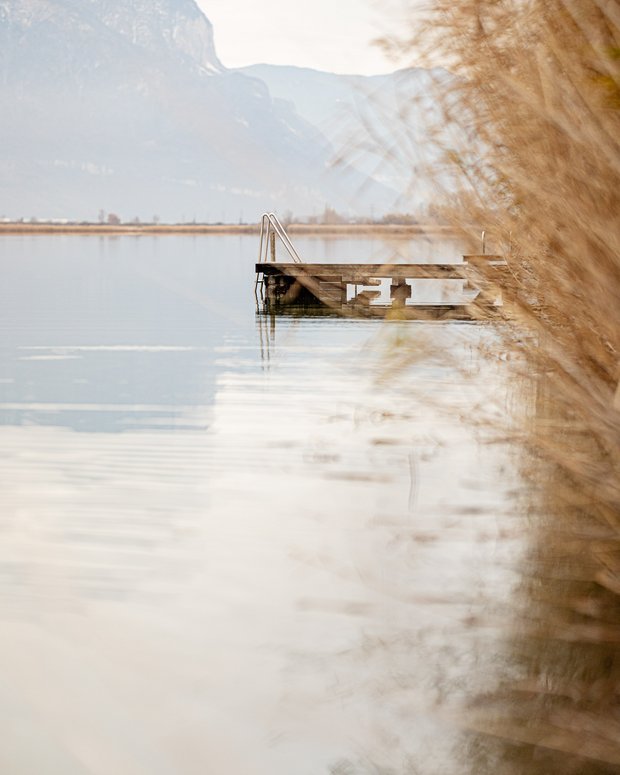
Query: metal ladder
(270, 228)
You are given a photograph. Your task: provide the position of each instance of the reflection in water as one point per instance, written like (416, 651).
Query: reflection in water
(555, 708)
(235, 543)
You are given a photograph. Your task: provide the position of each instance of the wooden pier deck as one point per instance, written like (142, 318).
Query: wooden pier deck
(378, 289)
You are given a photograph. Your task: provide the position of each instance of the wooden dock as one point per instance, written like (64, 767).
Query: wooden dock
(380, 289)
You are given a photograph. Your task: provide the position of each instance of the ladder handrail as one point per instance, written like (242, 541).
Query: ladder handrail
(270, 225)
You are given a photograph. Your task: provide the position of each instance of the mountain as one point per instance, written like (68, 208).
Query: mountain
(380, 124)
(125, 107)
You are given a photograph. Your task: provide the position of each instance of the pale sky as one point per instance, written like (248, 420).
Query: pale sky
(333, 35)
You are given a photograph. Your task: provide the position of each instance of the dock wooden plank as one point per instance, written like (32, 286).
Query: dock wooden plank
(359, 273)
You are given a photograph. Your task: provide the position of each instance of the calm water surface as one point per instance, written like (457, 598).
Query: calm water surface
(234, 543)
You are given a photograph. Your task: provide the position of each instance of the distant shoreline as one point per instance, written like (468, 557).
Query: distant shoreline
(93, 229)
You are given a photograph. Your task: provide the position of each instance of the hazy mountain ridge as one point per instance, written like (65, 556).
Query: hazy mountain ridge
(174, 30)
(125, 106)
(380, 123)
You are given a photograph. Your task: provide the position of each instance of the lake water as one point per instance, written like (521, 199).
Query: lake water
(235, 543)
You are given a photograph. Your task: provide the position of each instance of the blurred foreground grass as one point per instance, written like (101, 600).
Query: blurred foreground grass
(530, 149)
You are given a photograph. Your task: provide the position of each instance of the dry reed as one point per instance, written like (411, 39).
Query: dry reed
(530, 139)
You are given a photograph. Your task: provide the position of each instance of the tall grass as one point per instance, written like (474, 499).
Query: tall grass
(536, 160)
